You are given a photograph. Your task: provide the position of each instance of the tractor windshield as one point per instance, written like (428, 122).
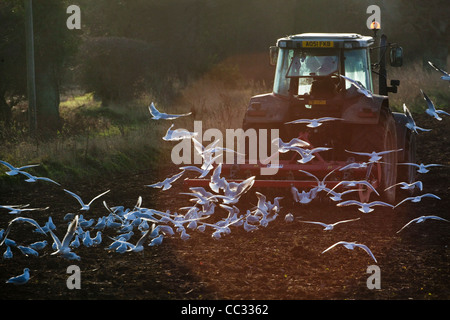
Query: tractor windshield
(305, 66)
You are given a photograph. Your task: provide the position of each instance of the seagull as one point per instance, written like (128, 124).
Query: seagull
(303, 197)
(32, 178)
(284, 147)
(178, 134)
(351, 246)
(411, 124)
(156, 115)
(359, 86)
(207, 152)
(307, 154)
(422, 168)
(8, 253)
(28, 251)
(21, 208)
(63, 248)
(355, 165)
(431, 109)
(337, 196)
(329, 226)
(374, 156)
(407, 186)
(418, 198)
(313, 123)
(446, 75)
(218, 183)
(21, 219)
(22, 279)
(354, 183)
(167, 183)
(38, 245)
(13, 170)
(320, 184)
(85, 207)
(422, 219)
(364, 207)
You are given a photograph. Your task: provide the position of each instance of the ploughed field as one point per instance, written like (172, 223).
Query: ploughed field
(281, 261)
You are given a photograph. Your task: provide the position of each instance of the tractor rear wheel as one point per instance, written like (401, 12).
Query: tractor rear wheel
(380, 137)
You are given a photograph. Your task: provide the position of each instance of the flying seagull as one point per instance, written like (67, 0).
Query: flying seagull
(422, 219)
(431, 109)
(418, 198)
(359, 86)
(411, 124)
(421, 168)
(20, 219)
(156, 115)
(167, 183)
(329, 226)
(13, 170)
(407, 186)
(351, 246)
(374, 156)
(364, 207)
(85, 207)
(446, 75)
(313, 123)
(178, 134)
(32, 178)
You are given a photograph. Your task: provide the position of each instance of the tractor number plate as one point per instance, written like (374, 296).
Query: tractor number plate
(318, 44)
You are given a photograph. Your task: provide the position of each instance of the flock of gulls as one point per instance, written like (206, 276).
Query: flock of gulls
(152, 226)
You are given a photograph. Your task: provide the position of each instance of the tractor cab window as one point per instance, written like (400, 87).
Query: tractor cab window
(306, 66)
(357, 68)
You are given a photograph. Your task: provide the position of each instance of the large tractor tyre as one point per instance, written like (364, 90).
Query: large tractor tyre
(409, 173)
(380, 137)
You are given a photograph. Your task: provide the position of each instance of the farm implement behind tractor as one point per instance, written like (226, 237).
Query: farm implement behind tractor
(328, 78)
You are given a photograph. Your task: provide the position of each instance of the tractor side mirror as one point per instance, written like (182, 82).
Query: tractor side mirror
(396, 57)
(273, 55)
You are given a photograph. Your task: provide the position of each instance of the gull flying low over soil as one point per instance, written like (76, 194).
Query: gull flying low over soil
(407, 186)
(329, 226)
(21, 208)
(364, 207)
(178, 134)
(374, 156)
(156, 115)
(313, 123)
(411, 124)
(85, 207)
(21, 219)
(32, 178)
(355, 183)
(13, 170)
(446, 75)
(421, 168)
(418, 198)
(167, 183)
(431, 109)
(422, 219)
(351, 246)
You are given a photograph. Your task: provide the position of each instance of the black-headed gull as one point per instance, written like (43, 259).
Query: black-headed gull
(374, 156)
(411, 124)
(62, 248)
(329, 226)
(307, 154)
(364, 207)
(313, 123)
(431, 109)
(85, 207)
(359, 86)
(446, 75)
(351, 246)
(156, 115)
(422, 219)
(337, 196)
(21, 219)
(178, 134)
(32, 178)
(15, 170)
(356, 183)
(421, 168)
(418, 198)
(284, 147)
(407, 186)
(167, 183)
(21, 208)
(320, 184)
(21, 279)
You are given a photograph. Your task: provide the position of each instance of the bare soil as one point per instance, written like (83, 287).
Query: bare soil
(280, 262)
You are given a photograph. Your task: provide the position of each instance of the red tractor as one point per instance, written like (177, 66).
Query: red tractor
(327, 75)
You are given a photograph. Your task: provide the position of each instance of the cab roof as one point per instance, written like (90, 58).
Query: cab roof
(326, 40)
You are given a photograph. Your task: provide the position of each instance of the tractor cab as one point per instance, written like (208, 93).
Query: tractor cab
(310, 64)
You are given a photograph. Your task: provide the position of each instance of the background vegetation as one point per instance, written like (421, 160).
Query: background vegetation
(208, 57)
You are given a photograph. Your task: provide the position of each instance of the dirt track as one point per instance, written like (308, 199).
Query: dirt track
(281, 261)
